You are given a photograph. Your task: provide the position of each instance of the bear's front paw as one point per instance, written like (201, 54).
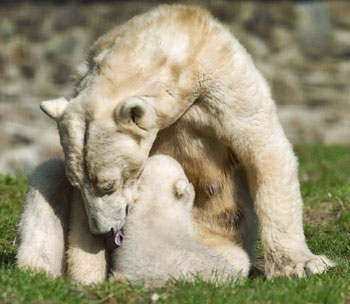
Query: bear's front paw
(298, 266)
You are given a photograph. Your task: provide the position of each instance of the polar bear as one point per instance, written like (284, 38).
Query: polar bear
(175, 81)
(159, 232)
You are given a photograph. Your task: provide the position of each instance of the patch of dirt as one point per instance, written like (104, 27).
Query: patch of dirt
(326, 212)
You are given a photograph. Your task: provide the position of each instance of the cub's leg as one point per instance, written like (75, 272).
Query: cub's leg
(44, 220)
(257, 138)
(86, 255)
(236, 256)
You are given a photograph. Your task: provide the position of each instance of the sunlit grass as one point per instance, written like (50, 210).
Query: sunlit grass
(325, 185)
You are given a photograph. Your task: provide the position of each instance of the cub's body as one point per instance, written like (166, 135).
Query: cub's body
(159, 232)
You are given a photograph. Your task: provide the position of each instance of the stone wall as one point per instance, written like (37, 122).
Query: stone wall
(302, 48)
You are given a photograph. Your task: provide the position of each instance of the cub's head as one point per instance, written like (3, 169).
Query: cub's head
(105, 150)
(164, 188)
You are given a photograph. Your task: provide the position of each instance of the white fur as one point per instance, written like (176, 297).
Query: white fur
(206, 101)
(159, 233)
(87, 258)
(44, 220)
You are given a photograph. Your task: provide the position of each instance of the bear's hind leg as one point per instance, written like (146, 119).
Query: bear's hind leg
(44, 220)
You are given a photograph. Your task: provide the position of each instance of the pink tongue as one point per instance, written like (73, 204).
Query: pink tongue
(114, 241)
(118, 238)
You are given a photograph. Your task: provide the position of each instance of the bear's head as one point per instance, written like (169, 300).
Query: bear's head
(125, 92)
(105, 150)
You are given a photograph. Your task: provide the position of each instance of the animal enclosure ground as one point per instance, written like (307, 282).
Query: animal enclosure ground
(325, 184)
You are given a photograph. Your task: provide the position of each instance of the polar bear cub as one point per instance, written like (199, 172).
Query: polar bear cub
(159, 232)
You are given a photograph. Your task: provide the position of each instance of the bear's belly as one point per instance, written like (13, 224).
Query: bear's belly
(216, 174)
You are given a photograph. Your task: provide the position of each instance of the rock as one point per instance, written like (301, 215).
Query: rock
(339, 13)
(61, 73)
(304, 124)
(22, 160)
(28, 138)
(341, 47)
(224, 11)
(256, 46)
(290, 58)
(322, 73)
(6, 28)
(283, 14)
(323, 96)
(286, 88)
(66, 45)
(21, 56)
(69, 16)
(281, 38)
(245, 12)
(29, 24)
(265, 68)
(322, 79)
(314, 29)
(260, 22)
(2, 63)
(343, 69)
(326, 83)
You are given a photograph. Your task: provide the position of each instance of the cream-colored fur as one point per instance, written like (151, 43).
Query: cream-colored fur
(44, 220)
(53, 231)
(175, 81)
(159, 233)
(87, 257)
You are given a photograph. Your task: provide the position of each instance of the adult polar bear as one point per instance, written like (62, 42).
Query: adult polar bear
(175, 81)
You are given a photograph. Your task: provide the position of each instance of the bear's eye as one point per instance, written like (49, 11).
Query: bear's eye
(106, 187)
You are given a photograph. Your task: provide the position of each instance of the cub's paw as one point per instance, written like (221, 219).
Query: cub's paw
(300, 267)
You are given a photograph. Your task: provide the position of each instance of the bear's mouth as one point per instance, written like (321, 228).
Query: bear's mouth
(114, 240)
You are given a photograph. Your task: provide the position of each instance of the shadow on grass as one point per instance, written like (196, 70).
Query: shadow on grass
(7, 259)
(258, 268)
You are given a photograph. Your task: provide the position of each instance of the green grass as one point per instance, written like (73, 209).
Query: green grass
(325, 185)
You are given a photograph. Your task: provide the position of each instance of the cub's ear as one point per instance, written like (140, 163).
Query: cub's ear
(180, 187)
(136, 110)
(54, 108)
(185, 191)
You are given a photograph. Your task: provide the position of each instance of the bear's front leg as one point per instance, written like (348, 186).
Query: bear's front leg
(44, 220)
(87, 257)
(259, 141)
(273, 177)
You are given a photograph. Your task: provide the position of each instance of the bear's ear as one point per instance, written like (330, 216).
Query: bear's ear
(136, 110)
(54, 108)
